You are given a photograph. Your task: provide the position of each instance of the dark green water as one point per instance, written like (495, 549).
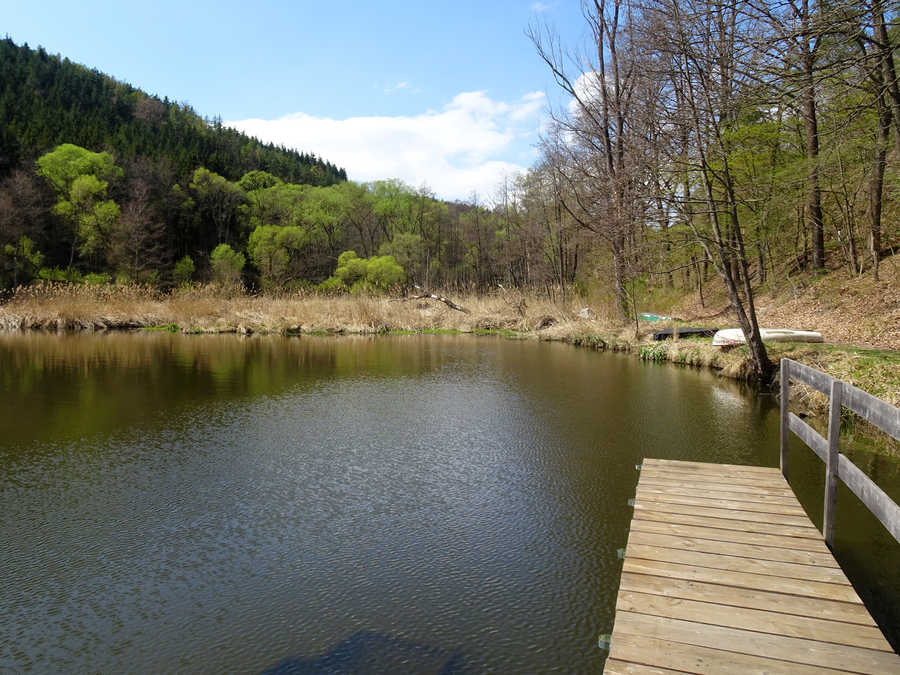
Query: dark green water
(205, 504)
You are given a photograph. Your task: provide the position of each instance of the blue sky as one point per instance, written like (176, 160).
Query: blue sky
(446, 93)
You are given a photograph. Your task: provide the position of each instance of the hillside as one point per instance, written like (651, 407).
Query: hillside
(46, 100)
(848, 310)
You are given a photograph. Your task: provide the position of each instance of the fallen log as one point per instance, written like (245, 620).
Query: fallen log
(426, 295)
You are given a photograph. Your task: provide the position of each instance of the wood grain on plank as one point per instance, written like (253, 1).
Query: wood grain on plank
(848, 612)
(762, 621)
(707, 466)
(715, 479)
(747, 580)
(798, 543)
(732, 514)
(722, 503)
(781, 647)
(616, 667)
(828, 575)
(778, 490)
(805, 531)
(751, 496)
(696, 659)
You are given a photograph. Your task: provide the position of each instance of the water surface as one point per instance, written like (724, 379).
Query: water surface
(216, 503)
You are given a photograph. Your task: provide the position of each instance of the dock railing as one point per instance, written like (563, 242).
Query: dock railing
(837, 466)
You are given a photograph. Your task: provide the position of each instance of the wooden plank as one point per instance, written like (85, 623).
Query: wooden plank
(830, 575)
(714, 479)
(730, 495)
(875, 499)
(796, 650)
(731, 514)
(775, 623)
(797, 543)
(760, 473)
(759, 552)
(781, 490)
(763, 582)
(695, 659)
(724, 572)
(807, 532)
(810, 376)
(808, 435)
(831, 462)
(784, 432)
(784, 509)
(616, 667)
(707, 466)
(848, 612)
(873, 410)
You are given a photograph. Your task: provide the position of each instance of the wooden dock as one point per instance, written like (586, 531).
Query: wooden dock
(724, 572)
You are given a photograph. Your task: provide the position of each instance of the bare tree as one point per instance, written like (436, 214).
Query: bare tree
(597, 147)
(704, 48)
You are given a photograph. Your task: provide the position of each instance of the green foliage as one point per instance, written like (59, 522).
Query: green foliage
(19, 263)
(273, 249)
(333, 286)
(378, 273)
(656, 352)
(183, 271)
(407, 250)
(80, 178)
(68, 163)
(94, 279)
(70, 274)
(258, 180)
(383, 273)
(226, 265)
(46, 100)
(350, 268)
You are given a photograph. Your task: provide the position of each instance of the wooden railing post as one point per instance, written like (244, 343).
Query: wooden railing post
(831, 465)
(785, 395)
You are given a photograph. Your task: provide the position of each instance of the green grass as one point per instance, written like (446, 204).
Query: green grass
(166, 327)
(426, 331)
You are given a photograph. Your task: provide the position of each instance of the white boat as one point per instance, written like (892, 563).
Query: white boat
(735, 336)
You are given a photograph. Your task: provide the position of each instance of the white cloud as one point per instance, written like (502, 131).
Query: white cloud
(587, 86)
(467, 146)
(397, 87)
(541, 7)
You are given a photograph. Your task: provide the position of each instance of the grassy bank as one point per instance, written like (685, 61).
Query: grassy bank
(208, 309)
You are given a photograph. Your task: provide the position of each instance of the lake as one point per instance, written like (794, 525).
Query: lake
(412, 503)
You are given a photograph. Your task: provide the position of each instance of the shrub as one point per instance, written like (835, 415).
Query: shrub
(333, 286)
(94, 279)
(183, 271)
(226, 265)
(362, 275)
(383, 273)
(70, 274)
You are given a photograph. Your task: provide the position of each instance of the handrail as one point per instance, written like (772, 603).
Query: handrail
(880, 413)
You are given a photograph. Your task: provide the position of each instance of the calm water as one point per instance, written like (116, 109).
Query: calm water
(402, 504)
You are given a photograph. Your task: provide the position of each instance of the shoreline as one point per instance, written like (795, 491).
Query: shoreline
(210, 310)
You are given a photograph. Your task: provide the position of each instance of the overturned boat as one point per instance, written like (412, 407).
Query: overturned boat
(735, 336)
(683, 331)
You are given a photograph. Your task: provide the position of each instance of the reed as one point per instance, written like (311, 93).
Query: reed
(214, 309)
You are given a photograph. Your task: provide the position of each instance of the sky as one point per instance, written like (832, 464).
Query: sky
(449, 94)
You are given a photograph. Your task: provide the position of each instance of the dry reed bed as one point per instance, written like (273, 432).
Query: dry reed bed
(210, 309)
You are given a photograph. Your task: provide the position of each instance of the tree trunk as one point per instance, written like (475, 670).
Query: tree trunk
(813, 192)
(889, 72)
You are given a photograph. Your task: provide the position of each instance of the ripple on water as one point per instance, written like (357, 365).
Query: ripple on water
(414, 502)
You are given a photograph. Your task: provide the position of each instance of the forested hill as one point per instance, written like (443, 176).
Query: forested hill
(47, 100)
